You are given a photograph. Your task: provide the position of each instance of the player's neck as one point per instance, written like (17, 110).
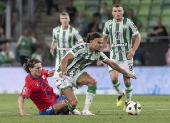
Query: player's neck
(65, 27)
(118, 20)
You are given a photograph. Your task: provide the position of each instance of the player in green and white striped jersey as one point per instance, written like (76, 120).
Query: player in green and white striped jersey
(70, 72)
(120, 31)
(64, 37)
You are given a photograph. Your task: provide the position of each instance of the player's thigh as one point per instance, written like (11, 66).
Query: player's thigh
(86, 79)
(60, 105)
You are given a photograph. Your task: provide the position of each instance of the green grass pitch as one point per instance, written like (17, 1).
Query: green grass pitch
(155, 109)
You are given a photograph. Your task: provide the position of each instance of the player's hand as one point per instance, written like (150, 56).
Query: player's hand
(61, 74)
(131, 53)
(52, 51)
(99, 63)
(131, 76)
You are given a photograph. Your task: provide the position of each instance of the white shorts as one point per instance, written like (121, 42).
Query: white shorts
(66, 81)
(127, 65)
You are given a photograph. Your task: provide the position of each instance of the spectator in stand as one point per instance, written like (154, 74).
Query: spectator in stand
(6, 57)
(37, 54)
(158, 31)
(25, 45)
(104, 16)
(71, 10)
(94, 25)
(104, 8)
(139, 57)
(2, 35)
(80, 23)
(131, 16)
(51, 4)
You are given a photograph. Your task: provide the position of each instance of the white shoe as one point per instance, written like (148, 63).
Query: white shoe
(76, 112)
(87, 112)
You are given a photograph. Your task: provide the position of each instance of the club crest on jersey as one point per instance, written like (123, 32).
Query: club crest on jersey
(96, 56)
(43, 77)
(124, 26)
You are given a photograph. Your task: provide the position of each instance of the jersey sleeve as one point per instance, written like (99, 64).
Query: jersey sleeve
(77, 49)
(103, 57)
(133, 27)
(45, 72)
(105, 29)
(27, 89)
(78, 37)
(54, 35)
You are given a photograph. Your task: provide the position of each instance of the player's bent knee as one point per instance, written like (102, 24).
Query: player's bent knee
(93, 82)
(74, 103)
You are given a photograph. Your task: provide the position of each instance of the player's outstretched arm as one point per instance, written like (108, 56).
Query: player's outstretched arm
(51, 73)
(118, 68)
(64, 63)
(21, 105)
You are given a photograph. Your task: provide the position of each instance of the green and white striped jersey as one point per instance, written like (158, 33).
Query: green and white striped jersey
(65, 39)
(120, 37)
(82, 58)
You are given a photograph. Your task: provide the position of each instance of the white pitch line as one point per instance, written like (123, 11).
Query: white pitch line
(142, 110)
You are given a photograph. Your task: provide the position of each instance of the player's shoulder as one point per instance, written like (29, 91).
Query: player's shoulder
(128, 20)
(109, 21)
(72, 28)
(82, 45)
(57, 28)
(28, 79)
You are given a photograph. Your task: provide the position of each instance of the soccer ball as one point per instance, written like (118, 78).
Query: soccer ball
(133, 108)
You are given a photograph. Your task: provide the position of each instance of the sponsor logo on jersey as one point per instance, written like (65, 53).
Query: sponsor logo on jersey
(120, 45)
(124, 26)
(25, 91)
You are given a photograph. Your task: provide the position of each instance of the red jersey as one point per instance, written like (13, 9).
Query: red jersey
(39, 91)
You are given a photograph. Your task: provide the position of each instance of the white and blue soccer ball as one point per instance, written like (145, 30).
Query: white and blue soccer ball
(133, 108)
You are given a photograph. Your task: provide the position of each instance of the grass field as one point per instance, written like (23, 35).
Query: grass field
(155, 109)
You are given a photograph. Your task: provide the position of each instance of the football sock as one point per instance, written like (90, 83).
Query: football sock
(91, 92)
(128, 90)
(116, 85)
(71, 108)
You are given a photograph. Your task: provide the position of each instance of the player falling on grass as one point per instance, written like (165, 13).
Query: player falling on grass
(70, 73)
(38, 90)
(120, 31)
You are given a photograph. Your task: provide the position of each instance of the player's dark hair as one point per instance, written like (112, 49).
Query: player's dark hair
(30, 64)
(92, 36)
(117, 5)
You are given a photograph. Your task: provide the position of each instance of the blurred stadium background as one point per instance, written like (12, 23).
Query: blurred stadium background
(151, 62)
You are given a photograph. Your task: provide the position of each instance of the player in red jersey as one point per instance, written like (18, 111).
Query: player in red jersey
(39, 91)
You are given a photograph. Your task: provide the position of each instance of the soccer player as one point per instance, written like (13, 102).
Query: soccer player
(38, 90)
(120, 31)
(64, 37)
(70, 72)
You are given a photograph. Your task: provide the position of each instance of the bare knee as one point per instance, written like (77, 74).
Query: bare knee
(73, 102)
(114, 79)
(92, 82)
